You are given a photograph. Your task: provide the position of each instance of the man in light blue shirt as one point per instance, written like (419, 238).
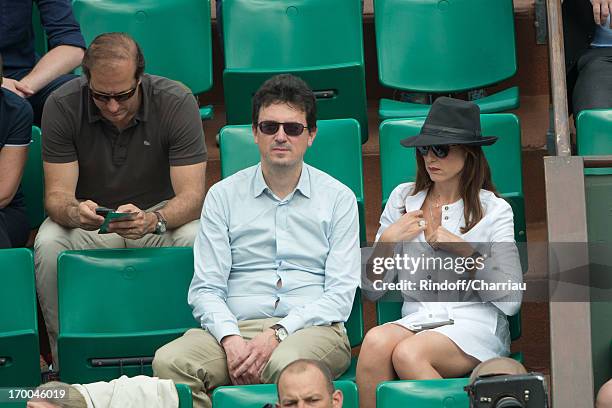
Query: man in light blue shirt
(277, 259)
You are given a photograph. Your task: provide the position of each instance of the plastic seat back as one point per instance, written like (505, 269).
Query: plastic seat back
(318, 40)
(175, 35)
(19, 363)
(336, 150)
(443, 46)
(442, 393)
(184, 394)
(255, 396)
(118, 306)
(593, 136)
(32, 182)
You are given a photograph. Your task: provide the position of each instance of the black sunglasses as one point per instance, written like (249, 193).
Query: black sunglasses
(270, 127)
(441, 151)
(119, 97)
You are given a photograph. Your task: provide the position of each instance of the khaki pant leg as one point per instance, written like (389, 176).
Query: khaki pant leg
(183, 236)
(52, 239)
(328, 344)
(197, 360)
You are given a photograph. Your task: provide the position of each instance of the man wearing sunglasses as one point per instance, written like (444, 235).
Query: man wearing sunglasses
(124, 140)
(277, 260)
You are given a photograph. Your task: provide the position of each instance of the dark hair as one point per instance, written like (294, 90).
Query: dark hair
(475, 175)
(113, 46)
(301, 365)
(289, 89)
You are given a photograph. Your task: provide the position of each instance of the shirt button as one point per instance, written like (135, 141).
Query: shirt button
(446, 208)
(446, 218)
(428, 276)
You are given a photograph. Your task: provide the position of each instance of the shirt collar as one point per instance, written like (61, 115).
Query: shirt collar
(303, 185)
(93, 113)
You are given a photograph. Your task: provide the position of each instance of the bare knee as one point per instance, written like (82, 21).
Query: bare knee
(604, 396)
(408, 358)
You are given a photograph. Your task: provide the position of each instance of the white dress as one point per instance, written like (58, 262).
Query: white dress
(480, 327)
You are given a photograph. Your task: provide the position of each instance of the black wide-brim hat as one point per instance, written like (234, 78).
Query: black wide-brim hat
(450, 121)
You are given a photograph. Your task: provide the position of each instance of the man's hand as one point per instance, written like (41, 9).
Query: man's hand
(441, 238)
(87, 217)
(136, 225)
(237, 351)
(406, 228)
(601, 11)
(262, 347)
(17, 87)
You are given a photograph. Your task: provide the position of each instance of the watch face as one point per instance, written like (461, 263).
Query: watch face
(160, 227)
(282, 333)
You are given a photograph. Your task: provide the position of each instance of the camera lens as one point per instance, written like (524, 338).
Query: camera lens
(509, 402)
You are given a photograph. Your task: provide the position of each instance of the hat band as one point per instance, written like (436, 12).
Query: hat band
(450, 132)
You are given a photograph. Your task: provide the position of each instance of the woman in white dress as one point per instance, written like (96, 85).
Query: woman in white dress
(437, 339)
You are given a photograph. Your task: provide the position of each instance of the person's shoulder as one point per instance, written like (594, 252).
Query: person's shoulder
(237, 182)
(402, 190)
(166, 87)
(492, 203)
(326, 182)
(70, 92)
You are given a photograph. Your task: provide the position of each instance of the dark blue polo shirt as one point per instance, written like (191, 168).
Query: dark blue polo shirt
(17, 34)
(15, 128)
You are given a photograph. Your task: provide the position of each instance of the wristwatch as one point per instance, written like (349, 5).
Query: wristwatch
(279, 332)
(160, 227)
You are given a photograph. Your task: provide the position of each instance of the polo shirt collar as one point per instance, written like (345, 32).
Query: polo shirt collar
(303, 185)
(93, 113)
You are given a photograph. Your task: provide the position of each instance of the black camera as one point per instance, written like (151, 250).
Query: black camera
(508, 391)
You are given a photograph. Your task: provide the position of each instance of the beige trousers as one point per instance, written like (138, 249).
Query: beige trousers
(53, 238)
(197, 359)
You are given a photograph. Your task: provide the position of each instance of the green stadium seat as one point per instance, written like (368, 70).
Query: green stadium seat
(184, 394)
(117, 307)
(398, 164)
(594, 137)
(19, 363)
(255, 396)
(175, 35)
(317, 40)
(445, 47)
(32, 182)
(446, 393)
(336, 150)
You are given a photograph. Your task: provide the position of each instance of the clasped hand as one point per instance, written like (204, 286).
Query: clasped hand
(247, 359)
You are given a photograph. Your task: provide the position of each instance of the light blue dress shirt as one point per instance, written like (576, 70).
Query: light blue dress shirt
(257, 256)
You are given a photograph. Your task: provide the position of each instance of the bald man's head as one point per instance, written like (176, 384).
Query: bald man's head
(307, 383)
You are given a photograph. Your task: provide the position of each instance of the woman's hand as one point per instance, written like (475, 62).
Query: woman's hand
(441, 238)
(406, 228)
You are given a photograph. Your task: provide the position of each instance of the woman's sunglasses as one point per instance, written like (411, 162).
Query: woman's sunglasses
(270, 127)
(441, 151)
(119, 97)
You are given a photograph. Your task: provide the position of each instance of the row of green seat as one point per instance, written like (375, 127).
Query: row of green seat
(116, 307)
(445, 393)
(425, 46)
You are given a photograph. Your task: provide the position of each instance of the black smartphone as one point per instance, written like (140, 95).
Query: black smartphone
(103, 211)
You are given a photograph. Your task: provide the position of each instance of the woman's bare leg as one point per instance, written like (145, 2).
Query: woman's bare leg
(374, 364)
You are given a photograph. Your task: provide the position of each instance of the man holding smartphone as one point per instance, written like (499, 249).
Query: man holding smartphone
(122, 139)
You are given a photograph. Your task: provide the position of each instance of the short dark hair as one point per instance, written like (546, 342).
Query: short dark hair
(113, 46)
(289, 89)
(301, 365)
